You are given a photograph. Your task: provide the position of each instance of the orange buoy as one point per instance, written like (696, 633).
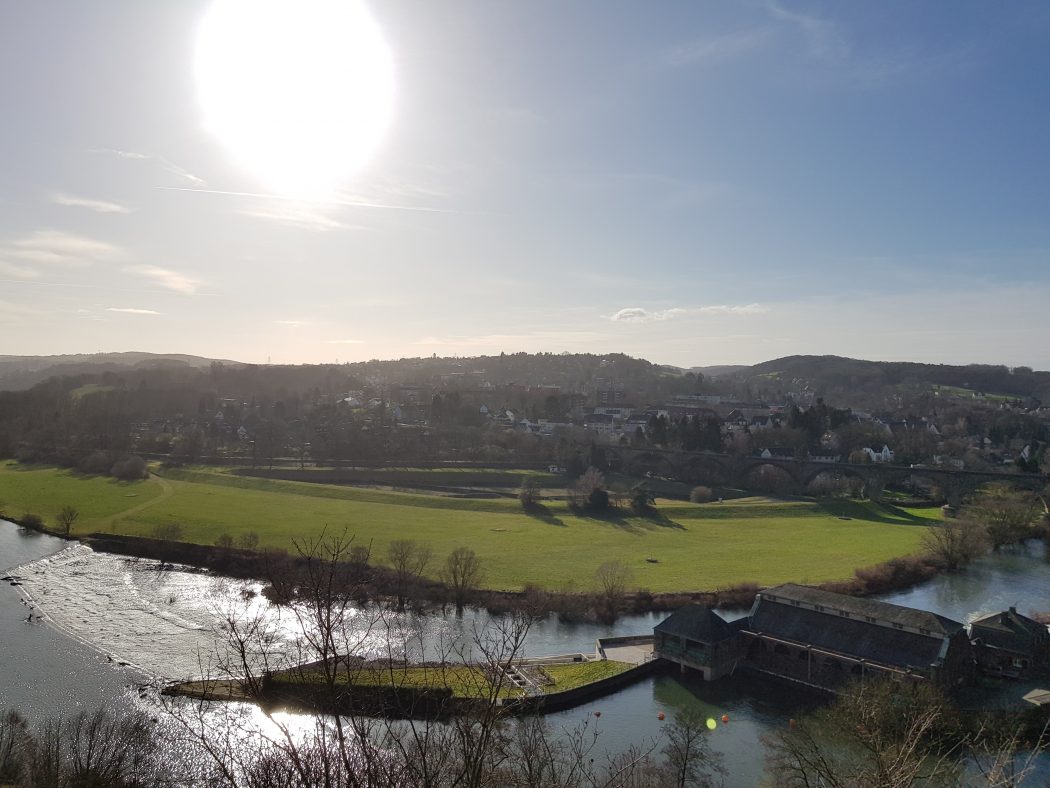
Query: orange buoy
(792, 723)
(660, 716)
(725, 718)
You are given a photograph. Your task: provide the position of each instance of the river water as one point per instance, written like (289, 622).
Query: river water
(103, 610)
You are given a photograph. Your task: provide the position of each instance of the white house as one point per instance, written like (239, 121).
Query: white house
(886, 455)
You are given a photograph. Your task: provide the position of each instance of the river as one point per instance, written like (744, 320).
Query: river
(104, 610)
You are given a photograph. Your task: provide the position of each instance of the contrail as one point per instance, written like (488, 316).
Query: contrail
(348, 203)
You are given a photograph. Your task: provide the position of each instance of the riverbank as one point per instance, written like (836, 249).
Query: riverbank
(377, 582)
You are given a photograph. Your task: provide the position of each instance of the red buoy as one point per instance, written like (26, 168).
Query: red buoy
(725, 718)
(597, 714)
(660, 716)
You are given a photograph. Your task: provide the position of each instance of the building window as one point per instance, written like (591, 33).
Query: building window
(794, 602)
(870, 619)
(898, 626)
(924, 631)
(819, 608)
(844, 614)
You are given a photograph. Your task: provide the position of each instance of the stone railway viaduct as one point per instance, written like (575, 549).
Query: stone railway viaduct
(733, 471)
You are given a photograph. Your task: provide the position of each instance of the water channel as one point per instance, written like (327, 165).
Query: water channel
(104, 610)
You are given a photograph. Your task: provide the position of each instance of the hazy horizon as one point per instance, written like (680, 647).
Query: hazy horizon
(711, 184)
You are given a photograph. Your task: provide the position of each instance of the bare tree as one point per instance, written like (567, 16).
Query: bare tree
(66, 517)
(96, 749)
(462, 574)
(408, 559)
(249, 540)
(874, 735)
(14, 738)
(1007, 515)
(690, 760)
(169, 532)
(956, 542)
(1002, 756)
(613, 578)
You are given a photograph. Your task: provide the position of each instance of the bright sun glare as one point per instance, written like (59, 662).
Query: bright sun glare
(299, 91)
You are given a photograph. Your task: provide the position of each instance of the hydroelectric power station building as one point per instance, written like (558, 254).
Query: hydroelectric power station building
(820, 639)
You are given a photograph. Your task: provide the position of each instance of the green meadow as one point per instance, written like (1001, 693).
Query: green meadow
(684, 547)
(43, 491)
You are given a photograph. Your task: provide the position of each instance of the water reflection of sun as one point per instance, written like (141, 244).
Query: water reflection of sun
(299, 91)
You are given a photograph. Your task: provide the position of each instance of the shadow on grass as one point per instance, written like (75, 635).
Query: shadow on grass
(658, 519)
(627, 520)
(541, 512)
(873, 512)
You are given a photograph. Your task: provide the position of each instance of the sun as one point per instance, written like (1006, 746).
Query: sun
(300, 92)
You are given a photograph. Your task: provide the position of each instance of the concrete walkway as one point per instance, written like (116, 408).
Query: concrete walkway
(634, 650)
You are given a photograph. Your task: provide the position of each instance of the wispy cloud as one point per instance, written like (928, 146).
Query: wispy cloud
(718, 48)
(127, 310)
(301, 216)
(864, 67)
(166, 165)
(334, 201)
(18, 271)
(636, 314)
(346, 341)
(55, 247)
(172, 280)
(823, 37)
(99, 206)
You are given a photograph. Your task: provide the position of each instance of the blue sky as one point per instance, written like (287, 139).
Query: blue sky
(694, 182)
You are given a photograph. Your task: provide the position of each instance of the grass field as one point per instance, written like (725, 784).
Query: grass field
(691, 546)
(44, 491)
(576, 674)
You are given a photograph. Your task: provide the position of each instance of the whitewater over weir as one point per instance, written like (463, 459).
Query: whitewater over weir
(162, 622)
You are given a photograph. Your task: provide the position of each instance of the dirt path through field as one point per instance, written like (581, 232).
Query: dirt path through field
(166, 491)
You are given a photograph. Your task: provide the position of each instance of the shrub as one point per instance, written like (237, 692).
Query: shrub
(97, 463)
(701, 494)
(895, 574)
(738, 596)
(643, 600)
(169, 532)
(31, 520)
(598, 500)
(642, 499)
(249, 540)
(129, 469)
(529, 493)
(225, 541)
